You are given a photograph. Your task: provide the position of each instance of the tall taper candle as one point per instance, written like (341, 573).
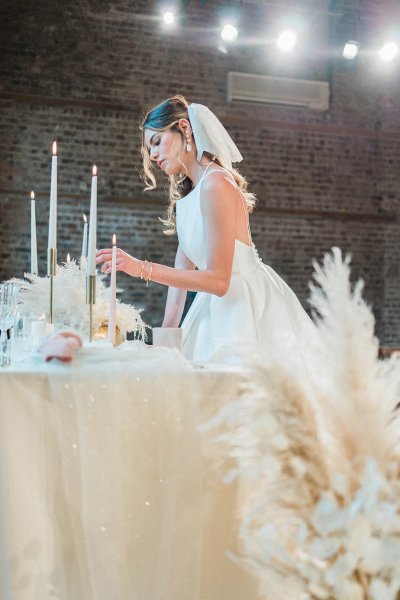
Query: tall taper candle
(91, 263)
(34, 262)
(112, 308)
(84, 241)
(52, 243)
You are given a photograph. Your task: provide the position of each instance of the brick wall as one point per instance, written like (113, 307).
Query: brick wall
(84, 72)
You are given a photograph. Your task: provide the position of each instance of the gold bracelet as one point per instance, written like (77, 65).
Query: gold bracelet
(148, 278)
(143, 266)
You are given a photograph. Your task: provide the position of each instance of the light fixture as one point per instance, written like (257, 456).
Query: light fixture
(229, 33)
(169, 17)
(350, 50)
(286, 41)
(388, 51)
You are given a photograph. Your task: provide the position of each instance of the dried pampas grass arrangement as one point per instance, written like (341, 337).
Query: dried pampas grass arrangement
(70, 308)
(317, 456)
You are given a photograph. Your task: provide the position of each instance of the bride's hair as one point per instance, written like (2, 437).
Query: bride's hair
(166, 116)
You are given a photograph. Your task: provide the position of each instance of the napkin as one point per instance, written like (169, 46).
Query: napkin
(61, 345)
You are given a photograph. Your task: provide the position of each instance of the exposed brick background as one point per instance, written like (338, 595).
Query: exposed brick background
(83, 72)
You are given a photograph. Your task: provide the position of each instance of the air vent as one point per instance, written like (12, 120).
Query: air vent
(278, 90)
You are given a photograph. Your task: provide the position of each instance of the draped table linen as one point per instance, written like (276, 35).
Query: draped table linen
(107, 487)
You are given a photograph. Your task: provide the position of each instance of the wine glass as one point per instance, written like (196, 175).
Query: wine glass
(8, 310)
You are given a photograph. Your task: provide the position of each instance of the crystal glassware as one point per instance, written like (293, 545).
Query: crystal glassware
(8, 313)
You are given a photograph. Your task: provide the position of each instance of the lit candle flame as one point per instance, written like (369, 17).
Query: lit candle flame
(54, 148)
(94, 171)
(32, 195)
(114, 239)
(84, 218)
(68, 258)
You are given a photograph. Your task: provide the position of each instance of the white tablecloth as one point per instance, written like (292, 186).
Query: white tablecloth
(107, 489)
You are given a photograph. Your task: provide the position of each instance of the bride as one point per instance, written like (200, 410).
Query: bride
(240, 302)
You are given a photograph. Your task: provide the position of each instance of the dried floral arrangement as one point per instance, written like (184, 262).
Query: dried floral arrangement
(70, 308)
(317, 456)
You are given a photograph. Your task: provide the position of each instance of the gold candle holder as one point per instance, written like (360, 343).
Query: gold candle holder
(51, 272)
(90, 300)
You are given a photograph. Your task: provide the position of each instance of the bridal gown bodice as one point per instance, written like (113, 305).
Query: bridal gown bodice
(259, 308)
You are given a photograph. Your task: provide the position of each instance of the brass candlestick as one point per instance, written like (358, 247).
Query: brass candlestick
(51, 272)
(91, 299)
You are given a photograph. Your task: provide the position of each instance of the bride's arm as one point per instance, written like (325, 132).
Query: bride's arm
(218, 208)
(176, 297)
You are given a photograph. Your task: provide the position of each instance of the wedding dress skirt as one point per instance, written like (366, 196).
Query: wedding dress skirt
(259, 312)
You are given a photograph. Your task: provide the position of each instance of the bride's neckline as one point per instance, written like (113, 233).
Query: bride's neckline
(204, 173)
(219, 168)
(195, 187)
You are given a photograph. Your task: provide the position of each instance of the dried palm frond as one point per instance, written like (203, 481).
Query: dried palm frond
(317, 458)
(69, 303)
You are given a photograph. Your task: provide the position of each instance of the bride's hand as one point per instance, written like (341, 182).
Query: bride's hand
(124, 262)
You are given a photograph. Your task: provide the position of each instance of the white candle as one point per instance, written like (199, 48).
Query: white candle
(84, 241)
(34, 262)
(52, 243)
(38, 328)
(112, 309)
(49, 328)
(91, 262)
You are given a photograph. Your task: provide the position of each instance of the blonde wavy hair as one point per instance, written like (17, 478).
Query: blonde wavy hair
(163, 117)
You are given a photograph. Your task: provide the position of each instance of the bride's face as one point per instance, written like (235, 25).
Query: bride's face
(164, 148)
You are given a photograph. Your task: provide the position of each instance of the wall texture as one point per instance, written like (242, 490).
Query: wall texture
(84, 72)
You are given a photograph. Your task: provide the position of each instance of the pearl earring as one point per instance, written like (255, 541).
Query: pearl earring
(188, 144)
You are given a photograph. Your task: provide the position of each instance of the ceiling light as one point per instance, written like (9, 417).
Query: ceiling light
(389, 51)
(350, 50)
(169, 17)
(229, 33)
(286, 41)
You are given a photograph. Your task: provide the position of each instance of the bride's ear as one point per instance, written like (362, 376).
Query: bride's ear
(184, 126)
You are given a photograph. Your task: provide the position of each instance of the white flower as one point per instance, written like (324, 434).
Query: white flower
(323, 548)
(299, 466)
(341, 569)
(380, 590)
(384, 518)
(318, 591)
(328, 517)
(272, 544)
(302, 533)
(372, 557)
(391, 553)
(359, 534)
(340, 484)
(269, 424)
(350, 590)
(368, 494)
(280, 441)
(271, 465)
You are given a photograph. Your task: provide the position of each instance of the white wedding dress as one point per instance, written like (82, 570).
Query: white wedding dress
(258, 313)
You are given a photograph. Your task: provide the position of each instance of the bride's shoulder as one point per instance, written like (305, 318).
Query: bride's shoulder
(218, 178)
(218, 189)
